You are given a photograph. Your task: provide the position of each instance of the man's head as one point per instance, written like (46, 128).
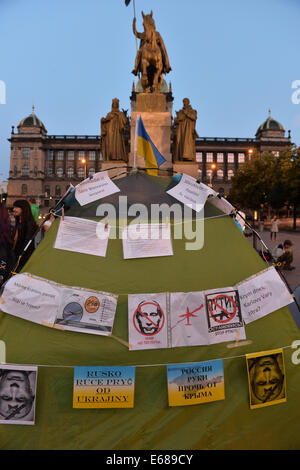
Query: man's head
(267, 379)
(149, 317)
(287, 245)
(16, 396)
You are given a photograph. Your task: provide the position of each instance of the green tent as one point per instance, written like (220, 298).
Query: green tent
(226, 259)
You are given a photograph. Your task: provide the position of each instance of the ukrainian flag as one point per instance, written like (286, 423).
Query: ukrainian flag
(146, 149)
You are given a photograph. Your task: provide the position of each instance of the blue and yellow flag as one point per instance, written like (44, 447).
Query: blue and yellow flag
(146, 149)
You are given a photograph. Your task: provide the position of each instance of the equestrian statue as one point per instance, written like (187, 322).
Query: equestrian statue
(152, 60)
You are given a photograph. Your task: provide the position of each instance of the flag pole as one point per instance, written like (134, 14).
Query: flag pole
(135, 141)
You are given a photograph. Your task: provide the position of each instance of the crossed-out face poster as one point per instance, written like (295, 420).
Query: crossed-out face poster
(103, 387)
(266, 378)
(147, 321)
(17, 394)
(224, 315)
(192, 384)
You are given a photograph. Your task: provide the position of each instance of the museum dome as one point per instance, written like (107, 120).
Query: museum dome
(270, 124)
(32, 121)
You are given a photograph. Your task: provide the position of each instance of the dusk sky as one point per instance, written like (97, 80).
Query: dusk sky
(233, 59)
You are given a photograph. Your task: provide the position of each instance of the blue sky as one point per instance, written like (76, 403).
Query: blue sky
(234, 59)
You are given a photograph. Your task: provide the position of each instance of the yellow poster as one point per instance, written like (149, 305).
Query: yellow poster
(266, 378)
(192, 384)
(103, 387)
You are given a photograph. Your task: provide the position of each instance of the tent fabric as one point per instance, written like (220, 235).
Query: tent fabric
(226, 258)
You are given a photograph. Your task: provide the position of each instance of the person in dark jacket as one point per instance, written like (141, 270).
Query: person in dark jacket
(6, 253)
(24, 231)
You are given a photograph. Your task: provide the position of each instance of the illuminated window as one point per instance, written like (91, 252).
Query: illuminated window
(209, 157)
(230, 158)
(220, 157)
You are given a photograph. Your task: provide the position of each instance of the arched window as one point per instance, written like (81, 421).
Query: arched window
(24, 188)
(230, 174)
(47, 190)
(57, 190)
(70, 172)
(15, 171)
(60, 172)
(220, 174)
(80, 172)
(25, 170)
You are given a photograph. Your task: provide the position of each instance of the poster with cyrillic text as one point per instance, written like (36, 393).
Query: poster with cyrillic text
(147, 321)
(195, 383)
(262, 294)
(224, 316)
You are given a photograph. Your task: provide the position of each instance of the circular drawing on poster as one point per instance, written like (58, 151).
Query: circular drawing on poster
(72, 312)
(149, 318)
(92, 304)
(218, 312)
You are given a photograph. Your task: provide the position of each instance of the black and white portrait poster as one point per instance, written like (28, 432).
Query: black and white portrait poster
(147, 321)
(17, 394)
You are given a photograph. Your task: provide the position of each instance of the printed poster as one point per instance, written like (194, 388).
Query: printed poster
(262, 294)
(224, 316)
(82, 236)
(266, 378)
(86, 311)
(103, 387)
(188, 319)
(51, 304)
(17, 394)
(192, 384)
(191, 193)
(94, 188)
(147, 321)
(146, 241)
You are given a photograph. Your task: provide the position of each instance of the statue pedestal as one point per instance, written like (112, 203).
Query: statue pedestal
(189, 168)
(157, 119)
(114, 167)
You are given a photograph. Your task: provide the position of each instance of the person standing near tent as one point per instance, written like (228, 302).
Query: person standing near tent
(34, 209)
(6, 253)
(286, 258)
(274, 227)
(23, 232)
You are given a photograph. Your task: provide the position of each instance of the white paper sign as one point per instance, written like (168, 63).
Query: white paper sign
(147, 321)
(97, 187)
(263, 294)
(224, 317)
(188, 319)
(146, 240)
(191, 193)
(51, 304)
(82, 236)
(31, 298)
(18, 394)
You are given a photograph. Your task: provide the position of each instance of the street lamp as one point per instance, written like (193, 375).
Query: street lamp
(250, 153)
(213, 167)
(83, 161)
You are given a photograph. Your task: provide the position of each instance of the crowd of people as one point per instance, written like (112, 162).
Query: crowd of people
(17, 228)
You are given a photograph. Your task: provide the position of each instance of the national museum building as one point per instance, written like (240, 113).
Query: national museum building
(43, 166)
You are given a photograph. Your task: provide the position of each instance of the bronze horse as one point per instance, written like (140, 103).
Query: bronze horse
(152, 58)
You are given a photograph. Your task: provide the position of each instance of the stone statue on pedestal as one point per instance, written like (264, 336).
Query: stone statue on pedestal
(152, 59)
(112, 134)
(185, 133)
